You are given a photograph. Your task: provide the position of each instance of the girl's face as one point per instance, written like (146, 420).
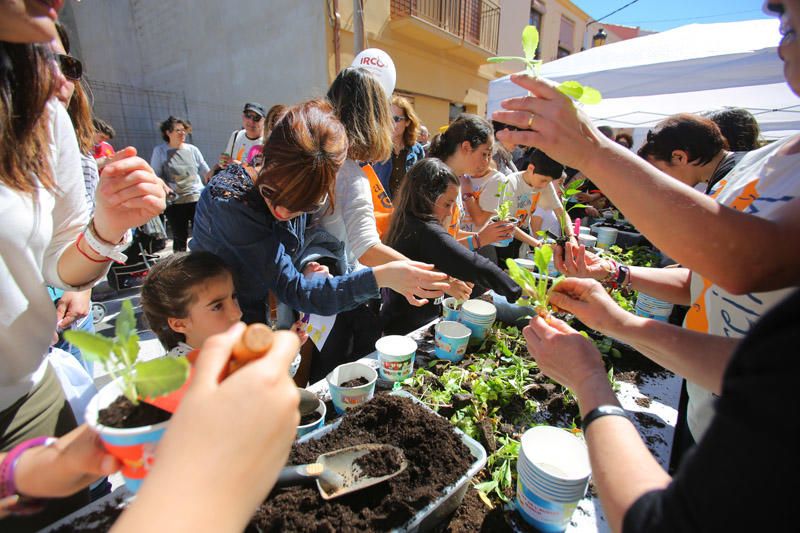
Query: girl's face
(28, 21)
(476, 160)
(214, 310)
(789, 47)
(445, 204)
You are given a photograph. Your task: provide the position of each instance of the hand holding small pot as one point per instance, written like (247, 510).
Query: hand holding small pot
(495, 232)
(589, 301)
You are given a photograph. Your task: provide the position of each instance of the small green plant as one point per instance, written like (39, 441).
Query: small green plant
(145, 379)
(573, 89)
(533, 287)
(503, 211)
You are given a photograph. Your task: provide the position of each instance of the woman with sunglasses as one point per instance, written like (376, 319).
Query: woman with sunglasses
(405, 149)
(181, 166)
(48, 237)
(259, 227)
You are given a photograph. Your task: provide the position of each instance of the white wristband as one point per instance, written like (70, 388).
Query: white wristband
(112, 251)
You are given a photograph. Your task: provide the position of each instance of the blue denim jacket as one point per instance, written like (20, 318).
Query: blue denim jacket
(233, 222)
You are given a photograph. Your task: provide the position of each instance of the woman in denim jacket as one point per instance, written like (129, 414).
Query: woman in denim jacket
(258, 227)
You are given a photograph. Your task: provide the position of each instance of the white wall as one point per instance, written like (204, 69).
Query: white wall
(219, 54)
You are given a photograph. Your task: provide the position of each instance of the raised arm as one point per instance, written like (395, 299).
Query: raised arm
(740, 252)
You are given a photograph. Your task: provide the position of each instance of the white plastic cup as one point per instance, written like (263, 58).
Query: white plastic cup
(589, 241)
(396, 357)
(345, 398)
(586, 230)
(553, 472)
(650, 307)
(606, 236)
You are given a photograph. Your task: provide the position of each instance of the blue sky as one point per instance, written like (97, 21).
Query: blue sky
(662, 15)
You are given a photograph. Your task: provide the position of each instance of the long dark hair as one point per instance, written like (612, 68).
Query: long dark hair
(427, 180)
(465, 127)
(168, 290)
(26, 84)
(79, 108)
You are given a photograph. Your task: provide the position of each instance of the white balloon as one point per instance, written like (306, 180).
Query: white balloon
(381, 65)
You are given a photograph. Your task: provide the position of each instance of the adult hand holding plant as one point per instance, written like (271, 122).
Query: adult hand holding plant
(460, 290)
(566, 356)
(592, 305)
(495, 231)
(552, 123)
(226, 437)
(573, 260)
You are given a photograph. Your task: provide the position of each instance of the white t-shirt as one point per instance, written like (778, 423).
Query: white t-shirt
(34, 234)
(526, 199)
(761, 184)
(488, 192)
(241, 148)
(353, 220)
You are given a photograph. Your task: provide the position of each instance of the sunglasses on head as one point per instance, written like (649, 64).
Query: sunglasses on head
(398, 118)
(267, 192)
(70, 67)
(254, 117)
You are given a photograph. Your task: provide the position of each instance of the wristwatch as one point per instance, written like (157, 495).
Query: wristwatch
(601, 411)
(105, 248)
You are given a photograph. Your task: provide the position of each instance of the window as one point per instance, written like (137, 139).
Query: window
(566, 36)
(455, 110)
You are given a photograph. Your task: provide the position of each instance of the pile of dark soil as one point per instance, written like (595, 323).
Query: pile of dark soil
(435, 454)
(379, 463)
(356, 382)
(100, 520)
(122, 413)
(307, 419)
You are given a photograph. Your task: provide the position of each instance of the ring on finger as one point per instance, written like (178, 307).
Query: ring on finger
(530, 120)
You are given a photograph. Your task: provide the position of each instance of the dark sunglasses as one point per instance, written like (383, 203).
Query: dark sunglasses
(267, 192)
(398, 118)
(70, 67)
(254, 117)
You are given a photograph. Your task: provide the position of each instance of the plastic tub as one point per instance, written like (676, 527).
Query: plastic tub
(435, 512)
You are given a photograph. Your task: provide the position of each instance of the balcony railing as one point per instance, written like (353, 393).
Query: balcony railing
(475, 21)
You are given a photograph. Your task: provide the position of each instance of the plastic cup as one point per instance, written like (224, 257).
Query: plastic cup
(345, 398)
(527, 264)
(396, 357)
(606, 236)
(552, 475)
(451, 340)
(134, 447)
(585, 230)
(449, 309)
(589, 241)
(650, 307)
(479, 317)
(308, 428)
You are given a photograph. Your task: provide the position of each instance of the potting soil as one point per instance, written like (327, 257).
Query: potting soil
(436, 459)
(355, 382)
(122, 413)
(379, 463)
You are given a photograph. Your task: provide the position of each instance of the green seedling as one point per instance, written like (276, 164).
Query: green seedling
(535, 288)
(144, 379)
(530, 42)
(503, 211)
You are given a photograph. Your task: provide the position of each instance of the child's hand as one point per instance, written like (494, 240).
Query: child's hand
(312, 267)
(299, 328)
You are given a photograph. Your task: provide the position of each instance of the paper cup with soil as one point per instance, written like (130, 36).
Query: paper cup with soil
(312, 421)
(129, 428)
(451, 308)
(351, 384)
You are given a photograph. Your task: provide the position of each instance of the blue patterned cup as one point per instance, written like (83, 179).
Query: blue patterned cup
(345, 398)
(451, 309)
(321, 410)
(451, 340)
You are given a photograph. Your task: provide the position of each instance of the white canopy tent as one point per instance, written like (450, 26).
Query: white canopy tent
(693, 68)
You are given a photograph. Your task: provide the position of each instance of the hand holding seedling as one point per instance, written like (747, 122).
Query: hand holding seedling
(495, 231)
(537, 289)
(573, 260)
(592, 305)
(460, 290)
(566, 356)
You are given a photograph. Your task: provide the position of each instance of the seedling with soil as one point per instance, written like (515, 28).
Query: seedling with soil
(536, 289)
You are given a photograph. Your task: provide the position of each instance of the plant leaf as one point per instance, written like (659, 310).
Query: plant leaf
(126, 322)
(573, 89)
(530, 42)
(93, 347)
(130, 350)
(503, 59)
(590, 96)
(160, 376)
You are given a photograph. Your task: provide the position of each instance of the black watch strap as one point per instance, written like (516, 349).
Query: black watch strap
(603, 410)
